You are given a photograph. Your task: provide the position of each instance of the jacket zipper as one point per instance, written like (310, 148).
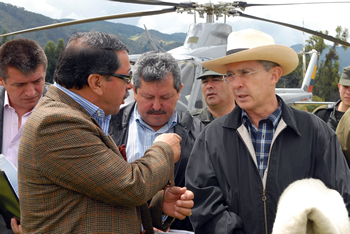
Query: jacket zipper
(264, 198)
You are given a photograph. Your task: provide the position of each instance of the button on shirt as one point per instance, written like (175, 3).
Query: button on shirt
(11, 135)
(97, 113)
(262, 136)
(141, 136)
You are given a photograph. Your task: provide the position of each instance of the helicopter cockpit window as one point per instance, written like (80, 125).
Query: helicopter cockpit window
(192, 40)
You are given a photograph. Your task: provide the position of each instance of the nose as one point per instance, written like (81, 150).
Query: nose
(209, 84)
(156, 104)
(129, 86)
(30, 90)
(236, 82)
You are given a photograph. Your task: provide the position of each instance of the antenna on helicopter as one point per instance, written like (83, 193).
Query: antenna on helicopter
(304, 59)
(154, 45)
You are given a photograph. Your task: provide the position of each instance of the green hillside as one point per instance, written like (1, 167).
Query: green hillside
(13, 18)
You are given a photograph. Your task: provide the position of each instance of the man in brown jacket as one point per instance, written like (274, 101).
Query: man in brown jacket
(72, 177)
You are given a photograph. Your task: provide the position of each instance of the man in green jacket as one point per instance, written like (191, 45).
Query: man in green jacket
(332, 113)
(218, 96)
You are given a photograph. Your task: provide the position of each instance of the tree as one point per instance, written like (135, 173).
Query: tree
(52, 53)
(328, 74)
(4, 39)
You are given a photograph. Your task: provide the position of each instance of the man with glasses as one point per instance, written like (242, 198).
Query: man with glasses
(218, 96)
(157, 86)
(242, 162)
(72, 177)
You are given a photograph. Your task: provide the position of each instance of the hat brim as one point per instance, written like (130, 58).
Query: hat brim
(285, 56)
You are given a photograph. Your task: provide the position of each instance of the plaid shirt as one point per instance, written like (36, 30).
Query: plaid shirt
(262, 136)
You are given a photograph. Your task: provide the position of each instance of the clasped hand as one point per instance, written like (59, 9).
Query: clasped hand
(178, 202)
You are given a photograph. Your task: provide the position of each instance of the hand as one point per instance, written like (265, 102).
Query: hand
(16, 228)
(178, 202)
(173, 140)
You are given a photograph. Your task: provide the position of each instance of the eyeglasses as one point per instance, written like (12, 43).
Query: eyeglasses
(244, 74)
(126, 78)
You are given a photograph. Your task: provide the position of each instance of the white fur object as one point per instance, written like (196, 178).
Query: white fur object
(308, 207)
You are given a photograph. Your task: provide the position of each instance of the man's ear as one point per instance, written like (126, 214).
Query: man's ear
(178, 93)
(2, 81)
(276, 73)
(95, 82)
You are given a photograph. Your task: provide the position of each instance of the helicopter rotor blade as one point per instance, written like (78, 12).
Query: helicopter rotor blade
(245, 4)
(324, 36)
(89, 20)
(157, 3)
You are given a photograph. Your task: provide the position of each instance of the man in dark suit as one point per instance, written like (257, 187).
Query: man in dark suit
(22, 78)
(157, 86)
(72, 177)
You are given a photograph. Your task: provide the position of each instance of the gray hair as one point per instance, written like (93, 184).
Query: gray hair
(154, 66)
(268, 64)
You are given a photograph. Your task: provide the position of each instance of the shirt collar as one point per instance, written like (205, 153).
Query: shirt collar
(274, 117)
(7, 102)
(88, 106)
(171, 122)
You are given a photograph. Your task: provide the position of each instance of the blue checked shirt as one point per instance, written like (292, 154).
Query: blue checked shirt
(141, 135)
(262, 136)
(97, 113)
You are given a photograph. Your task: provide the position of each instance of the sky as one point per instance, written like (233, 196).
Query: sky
(316, 16)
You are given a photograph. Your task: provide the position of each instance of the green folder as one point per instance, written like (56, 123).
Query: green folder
(9, 203)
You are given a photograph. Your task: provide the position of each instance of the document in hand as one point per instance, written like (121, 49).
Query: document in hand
(9, 203)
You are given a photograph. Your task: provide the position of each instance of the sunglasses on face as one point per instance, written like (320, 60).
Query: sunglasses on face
(126, 78)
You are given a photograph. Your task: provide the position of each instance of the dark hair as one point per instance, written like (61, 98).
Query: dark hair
(23, 54)
(155, 65)
(87, 53)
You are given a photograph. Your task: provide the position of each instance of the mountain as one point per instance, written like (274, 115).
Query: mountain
(344, 56)
(13, 18)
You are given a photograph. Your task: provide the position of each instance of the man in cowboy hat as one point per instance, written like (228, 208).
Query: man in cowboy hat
(218, 96)
(241, 162)
(333, 112)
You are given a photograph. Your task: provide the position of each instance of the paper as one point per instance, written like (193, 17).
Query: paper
(11, 172)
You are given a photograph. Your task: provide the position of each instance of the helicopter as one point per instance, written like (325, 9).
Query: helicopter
(205, 41)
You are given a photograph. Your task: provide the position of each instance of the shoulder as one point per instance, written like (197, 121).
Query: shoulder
(324, 111)
(189, 122)
(196, 112)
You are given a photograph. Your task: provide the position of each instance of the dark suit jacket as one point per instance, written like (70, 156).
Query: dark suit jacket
(73, 179)
(187, 127)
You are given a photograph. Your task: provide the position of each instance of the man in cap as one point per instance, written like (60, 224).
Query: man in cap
(218, 96)
(241, 162)
(157, 86)
(332, 113)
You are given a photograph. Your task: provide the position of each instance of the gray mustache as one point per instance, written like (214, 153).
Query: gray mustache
(156, 112)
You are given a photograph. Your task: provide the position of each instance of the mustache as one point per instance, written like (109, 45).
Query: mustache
(156, 112)
(126, 95)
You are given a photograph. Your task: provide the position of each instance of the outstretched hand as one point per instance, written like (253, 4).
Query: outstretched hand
(178, 202)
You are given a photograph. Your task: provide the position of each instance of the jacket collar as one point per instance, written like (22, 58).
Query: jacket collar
(234, 120)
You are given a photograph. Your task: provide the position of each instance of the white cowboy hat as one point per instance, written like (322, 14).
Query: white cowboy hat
(250, 44)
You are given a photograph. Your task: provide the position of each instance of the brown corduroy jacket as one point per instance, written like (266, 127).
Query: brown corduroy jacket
(73, 179)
